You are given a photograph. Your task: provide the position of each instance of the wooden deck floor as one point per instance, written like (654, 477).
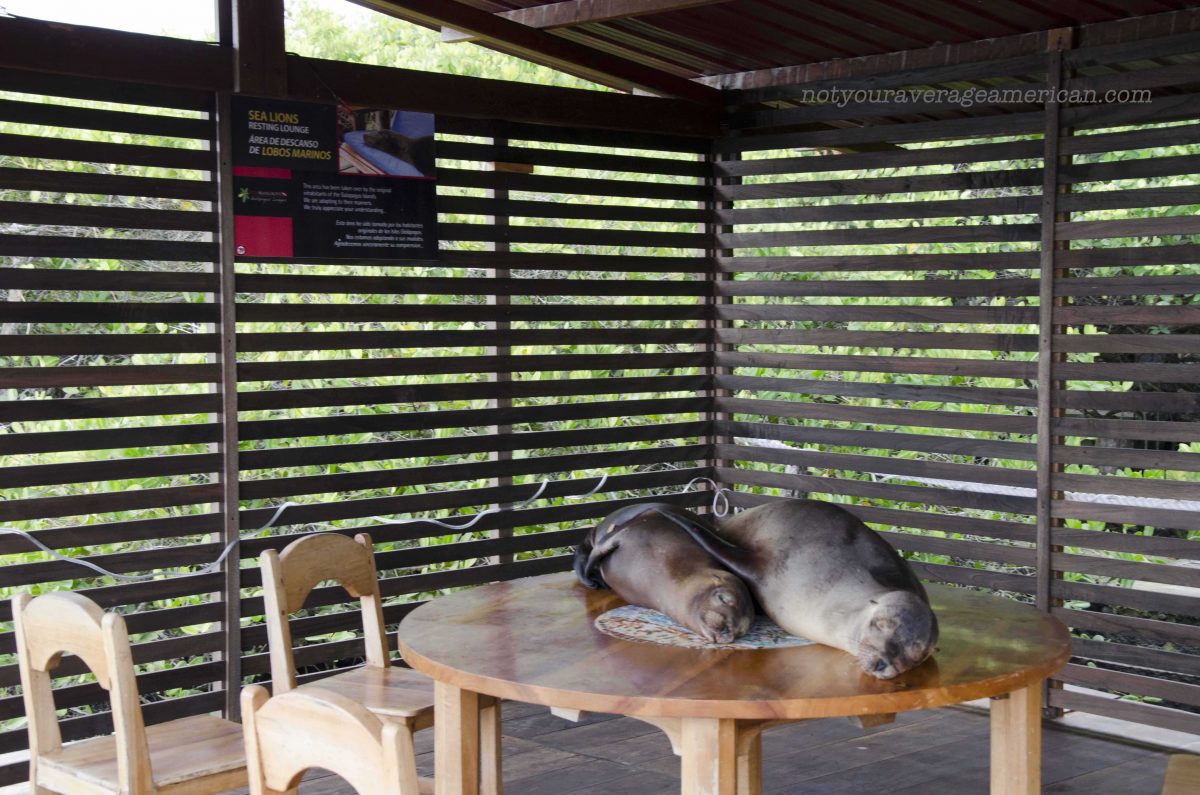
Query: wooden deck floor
(933, 752)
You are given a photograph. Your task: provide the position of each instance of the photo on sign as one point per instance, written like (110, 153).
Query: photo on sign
(386, 142)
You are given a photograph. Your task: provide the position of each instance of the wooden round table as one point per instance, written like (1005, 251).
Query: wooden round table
(534, 640)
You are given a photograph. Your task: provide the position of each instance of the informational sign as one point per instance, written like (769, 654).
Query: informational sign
(321, 183)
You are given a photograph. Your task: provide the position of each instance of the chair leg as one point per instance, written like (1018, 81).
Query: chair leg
(409, 784)
(490, 768)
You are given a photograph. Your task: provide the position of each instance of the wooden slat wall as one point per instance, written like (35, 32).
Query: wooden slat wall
(1127, 369)
(561, 336)
(108, 411)
(881, 343)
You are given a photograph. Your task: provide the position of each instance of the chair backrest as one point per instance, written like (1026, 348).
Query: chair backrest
(48, 626)
(290, 576)
(313, 728)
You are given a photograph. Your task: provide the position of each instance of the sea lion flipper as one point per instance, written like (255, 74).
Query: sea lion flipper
(600, 542)
(585, 569)
(740, 561)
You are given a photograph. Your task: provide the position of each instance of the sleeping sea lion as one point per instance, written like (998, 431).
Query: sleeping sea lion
(644, 555)
(822, 574)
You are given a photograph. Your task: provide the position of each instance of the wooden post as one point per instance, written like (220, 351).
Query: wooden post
(230, 508)
(503, 329)
(715, 324)
(258, 42)
(1017, 742)
(1047, 386)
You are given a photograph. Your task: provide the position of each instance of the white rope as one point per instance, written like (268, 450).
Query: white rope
(1025, 491)
(720, 495)
(211, 567)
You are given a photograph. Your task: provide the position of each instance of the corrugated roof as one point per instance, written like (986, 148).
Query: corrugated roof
(721, 37)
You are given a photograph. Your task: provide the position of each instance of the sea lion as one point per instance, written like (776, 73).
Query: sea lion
(645, 556)
(417, 152)
(822, 574)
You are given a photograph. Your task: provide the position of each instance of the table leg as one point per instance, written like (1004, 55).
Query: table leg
(749, 765)
(1017, 742)
(491, 770)
(709, 760)
(456, 740)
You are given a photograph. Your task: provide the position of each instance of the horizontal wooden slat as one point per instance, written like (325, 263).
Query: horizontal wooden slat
(518, 208)
(1007, 315)
(881, 491)
(1148, 630)
(433, 393)
(948, 233)
(996, 260)
(66, 214)
(449, 473)
(1110, 706)
(113, 532)
(94, 344)
(107, 280)
(106, 248)
(545, 234)
(891, 158)
(989, 368)
(298, 428)
(882, 465)
(100, 375)
(999, 423)
(919, 340)
(579, 186)
(293, 456)
(867, 211)
(53, 148)
(957, 444)
(367, 313)
(393, 286)
(53, 115)
(15, 477)
(897, 288)
(107, 184)
(87, 408)
(153, 436)
(47, 507)
(921, 183)
(1139, 656)
(1154, 602)
(1130, 683)
(893, 392)
(559, 158)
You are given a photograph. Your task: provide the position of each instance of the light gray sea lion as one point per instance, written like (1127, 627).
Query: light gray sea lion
(822, 574)
(643, 554)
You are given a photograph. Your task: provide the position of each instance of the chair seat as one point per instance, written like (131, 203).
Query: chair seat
(181, 751)
(392, 692)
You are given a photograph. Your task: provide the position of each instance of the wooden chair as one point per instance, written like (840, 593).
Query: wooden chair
(396, 694)
(314, 728)
(188, 756)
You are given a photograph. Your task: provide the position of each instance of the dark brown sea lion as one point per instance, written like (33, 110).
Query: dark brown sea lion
(822, 574)
(643, 554)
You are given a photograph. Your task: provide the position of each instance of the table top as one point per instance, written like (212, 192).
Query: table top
(533, 640)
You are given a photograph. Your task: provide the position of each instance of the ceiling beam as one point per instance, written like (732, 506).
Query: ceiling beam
(544, 48)
(582, 12)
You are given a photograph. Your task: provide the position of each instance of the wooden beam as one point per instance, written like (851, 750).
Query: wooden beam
(582, 12)
(258, 42)
(541, 47)
(475, 97)
(59, 48)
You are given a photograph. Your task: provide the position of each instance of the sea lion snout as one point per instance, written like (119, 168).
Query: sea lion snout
(724, 611)
(900, 634)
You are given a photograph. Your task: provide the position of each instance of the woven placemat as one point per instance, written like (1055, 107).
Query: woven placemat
(644, 625)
